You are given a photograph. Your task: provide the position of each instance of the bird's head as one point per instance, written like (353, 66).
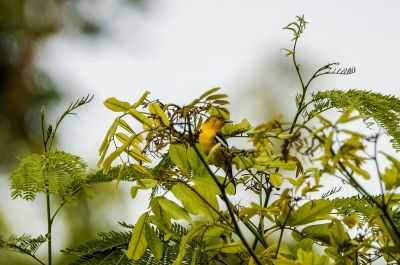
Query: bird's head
(216, 122)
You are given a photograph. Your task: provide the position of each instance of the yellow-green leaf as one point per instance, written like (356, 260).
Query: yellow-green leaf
(148, 184)
(214, 231)
(174, 210)
(233, 248)
(311, 258)
(123, 138)
(216, 96)
(214, 150)
(107, 162)
(123, 124)
(134, 191)
(141, 169)
(197, 165)
(221, 102)
(177, 153)
(160, 113)
(338, 235)
(155, 244)
(209, 181)
(185, 240)
(121, 170)
(193, 203)
(107, 140)
(358, 170)
(209, 92)
(351, 220)
(345, 117)
(138, 243)
(276, 179)
(142, 98)
(141, 118)
(117, 105)
(319, 232)
(210, 197)
(310, 212)
(230, 248)
(138, 156)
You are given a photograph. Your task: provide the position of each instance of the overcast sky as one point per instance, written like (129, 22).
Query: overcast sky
(179, 49)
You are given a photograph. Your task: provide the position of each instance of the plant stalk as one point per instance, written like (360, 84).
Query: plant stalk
(49, 223)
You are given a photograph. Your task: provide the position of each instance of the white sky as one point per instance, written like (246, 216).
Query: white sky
(179, 49)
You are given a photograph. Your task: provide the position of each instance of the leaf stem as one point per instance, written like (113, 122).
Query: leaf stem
(281, 233)
(49, 224)
(226, 200)
(229, 207)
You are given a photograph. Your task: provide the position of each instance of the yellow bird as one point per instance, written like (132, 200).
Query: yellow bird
(209, 136)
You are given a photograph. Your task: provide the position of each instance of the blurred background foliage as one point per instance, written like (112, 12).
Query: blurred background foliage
(25, 25)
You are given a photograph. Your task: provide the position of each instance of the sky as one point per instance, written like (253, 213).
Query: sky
(179, 49)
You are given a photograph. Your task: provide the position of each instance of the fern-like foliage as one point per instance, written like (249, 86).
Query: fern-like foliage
(54, 172)
(364, 208)
(24, 244)
(383, 109)
(109, 248)
(129, 174)
(355, 204)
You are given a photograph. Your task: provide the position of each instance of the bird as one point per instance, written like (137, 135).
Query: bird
(209, 136)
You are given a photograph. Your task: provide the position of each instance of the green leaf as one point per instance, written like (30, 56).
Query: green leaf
(107, 162)
(123, 124)
(174, 210)
(210, 197)
(121, 170)
(215, 231)
(310, 212)
(138, 243)
(338, 235)
(230, 248)
(391, 175)
(198, 167)
(155, 108)
(209, 92)
(142, 98)
(216, 96)
(345, 117)
(235, 129)
(193, 203)
(363, 173)
(117, 105)
(155, 244)
(138, 156)
(305, 244)
(319, 232)
(177, 153)
(123, 138)
(212, 186)
(276, 179)
(134, 191)
(141, 118)
(107, 140)
(311, 258)
(186, 239)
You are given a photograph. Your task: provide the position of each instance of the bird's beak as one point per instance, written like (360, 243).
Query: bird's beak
(228, 121)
